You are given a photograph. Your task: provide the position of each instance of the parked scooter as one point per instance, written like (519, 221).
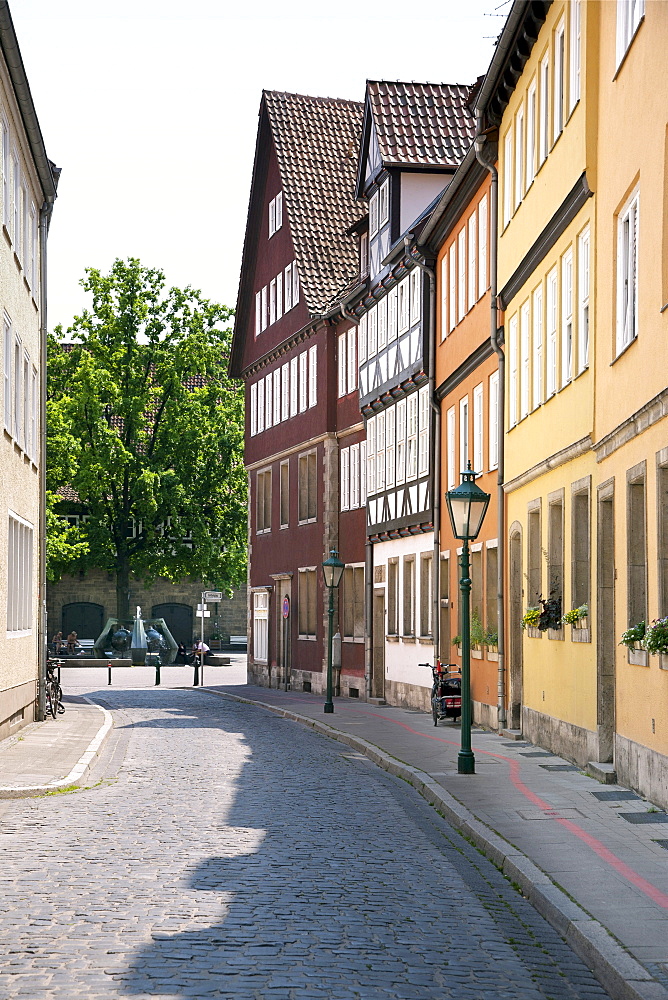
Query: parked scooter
(446, 692)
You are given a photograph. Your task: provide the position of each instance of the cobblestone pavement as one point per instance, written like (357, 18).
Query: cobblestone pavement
(225, 852)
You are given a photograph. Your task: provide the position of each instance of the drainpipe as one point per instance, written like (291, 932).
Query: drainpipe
(42, 637)
(479, 141)
(435, 456)
(368, 578)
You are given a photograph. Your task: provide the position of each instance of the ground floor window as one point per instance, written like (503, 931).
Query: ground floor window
(261, 625)
(307, 603)
(19, 575)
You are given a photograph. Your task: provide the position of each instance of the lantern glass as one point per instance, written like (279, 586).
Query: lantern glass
(467, 506)
(332, 569)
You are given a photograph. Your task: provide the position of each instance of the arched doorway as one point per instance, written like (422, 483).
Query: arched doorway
(179, 619)
(516, 593)
(84, 618)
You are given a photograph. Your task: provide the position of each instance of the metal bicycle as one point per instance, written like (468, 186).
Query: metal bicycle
(53, 690)
(446, 691)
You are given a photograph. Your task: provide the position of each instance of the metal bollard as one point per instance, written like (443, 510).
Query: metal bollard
(157, 674)
(109, 669)
(196, 677)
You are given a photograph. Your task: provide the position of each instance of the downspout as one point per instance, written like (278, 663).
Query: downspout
(479, 141)
(368, 577)
(42, 637)
(435, 457)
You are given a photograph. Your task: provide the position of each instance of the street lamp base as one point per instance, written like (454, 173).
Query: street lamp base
(465, 762)
(329, 708)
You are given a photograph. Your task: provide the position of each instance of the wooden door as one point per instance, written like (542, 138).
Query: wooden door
(378, 686)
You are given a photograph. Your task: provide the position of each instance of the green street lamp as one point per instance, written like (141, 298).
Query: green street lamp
(332, 570)
(467, 506)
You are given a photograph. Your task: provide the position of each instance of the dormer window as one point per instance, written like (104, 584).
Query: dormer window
(384, 204)
(373, 214)
(275, 214)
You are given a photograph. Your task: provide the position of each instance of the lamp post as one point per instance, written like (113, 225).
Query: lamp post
(332, 570)
(467, 506)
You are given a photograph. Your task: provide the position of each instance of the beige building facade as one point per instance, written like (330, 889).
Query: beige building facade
(27, 193)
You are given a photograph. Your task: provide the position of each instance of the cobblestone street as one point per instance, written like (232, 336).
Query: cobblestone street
(225, 852)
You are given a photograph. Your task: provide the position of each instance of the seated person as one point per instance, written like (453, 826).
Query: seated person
(72, 642)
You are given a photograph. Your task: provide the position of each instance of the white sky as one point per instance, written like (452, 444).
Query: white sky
(150, 108)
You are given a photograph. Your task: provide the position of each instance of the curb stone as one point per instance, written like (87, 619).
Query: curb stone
(618, 972)
(78, 772)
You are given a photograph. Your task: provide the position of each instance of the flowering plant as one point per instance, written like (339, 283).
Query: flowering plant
(574, 616)
(531, 618)
(633, 635)
(656, 637)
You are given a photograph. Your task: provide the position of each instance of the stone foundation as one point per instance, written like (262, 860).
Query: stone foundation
(17, 708)
(562, 738)
(350, 685)
(408, 695)
(642, 769)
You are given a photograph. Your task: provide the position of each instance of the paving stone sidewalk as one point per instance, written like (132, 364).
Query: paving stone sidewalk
(603, 845)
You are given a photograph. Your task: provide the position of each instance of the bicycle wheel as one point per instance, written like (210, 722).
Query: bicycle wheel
(434, 709)
(59, 694)
(51, 699)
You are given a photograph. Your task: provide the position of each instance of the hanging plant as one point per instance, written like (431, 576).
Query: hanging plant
(550, 616)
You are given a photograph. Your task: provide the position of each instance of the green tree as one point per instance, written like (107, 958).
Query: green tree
(146, 429)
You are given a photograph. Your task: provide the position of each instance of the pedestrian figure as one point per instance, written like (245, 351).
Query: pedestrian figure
(57, 642)
(72, 642)
(181, 653)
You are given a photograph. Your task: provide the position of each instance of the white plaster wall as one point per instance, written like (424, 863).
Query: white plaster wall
(402, 658)
(19, 475)
(417, 191)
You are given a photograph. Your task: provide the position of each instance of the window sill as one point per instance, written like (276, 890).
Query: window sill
(623, 350)
(426, 640)
(408, 638)
(352, 639)
(19, 633)
(310, 520)
(391, 638)
(307, 638)
(263, 531)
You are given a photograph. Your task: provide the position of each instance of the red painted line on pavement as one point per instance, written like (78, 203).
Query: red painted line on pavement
(599, 848)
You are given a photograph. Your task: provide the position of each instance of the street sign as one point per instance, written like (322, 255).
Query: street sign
(286, 606)
(202, 614)
(212, 595)
(201, 607)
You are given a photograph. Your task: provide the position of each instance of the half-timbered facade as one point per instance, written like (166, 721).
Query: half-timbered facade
(413, 138)
(303, 425)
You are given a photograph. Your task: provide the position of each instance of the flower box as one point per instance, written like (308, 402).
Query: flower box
(556, 633)
(534, 633)
(638, 656)
(580, 631)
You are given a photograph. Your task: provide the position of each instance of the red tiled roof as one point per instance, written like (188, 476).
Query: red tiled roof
(421, 124)
(317, 142)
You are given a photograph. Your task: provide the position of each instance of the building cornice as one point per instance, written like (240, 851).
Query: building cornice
(653, 411)
(307, 445)
(467, 367)
(568, 454)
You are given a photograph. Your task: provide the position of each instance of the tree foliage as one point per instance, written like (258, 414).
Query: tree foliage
(146, 428)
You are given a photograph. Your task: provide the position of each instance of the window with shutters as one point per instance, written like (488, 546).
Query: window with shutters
(263, 501)
(451, 457)
(392, 597)
(461, 265)
(477, 430)
(392, 314)
(18, 373)
(16, 214)
(494, 420)
(512, 360)
(537, 320)
(401, 441)
(285, 493)
(583, 299)
(382, 323)
(353, 603)
(20, 609)
(408, 624)
(294, 385)
(627, 274)
(425, 594)
(355, 476)
(551, 378)
(352, 359)
(253, 408)
(303, 381)
(403, 302)
(308, 580)
(482, 247)
(384, 204)
(313, 375)
(380, 451)
(566, 318)
(35, 418)
(423, 424)
(307, 487)
(344, 474)
(269, 401)
(260, 406)
(473, 275)
(261, 626)
(524, 360)
(390, 445)
(285, 391)
(342, 362)
(371, 455)
(416, 295)
(373, 214)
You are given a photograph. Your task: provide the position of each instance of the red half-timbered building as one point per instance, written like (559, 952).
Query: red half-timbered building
(304, 433)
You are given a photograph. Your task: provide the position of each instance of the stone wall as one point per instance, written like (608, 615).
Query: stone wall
(98, 587)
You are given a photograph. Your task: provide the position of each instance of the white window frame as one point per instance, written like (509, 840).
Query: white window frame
(512, 359)
(494, 420)
(260, 626)
(287, 284)
(544, 123)
(20, 597)
(352, 359)
(380, 451)
(373, 214)
(482, 247)
(403, 305)
(411, 436)
(371, 456)
(345, 478)
(372, 332)
(263, 299)
(294, 383)
(253, 409)
(461, 269)
(8, 374)
(519, 157)
(530, 168)
(444, 297)
(295, 284)
(303, 381)
(342, 344)
(416, 296)
(279, 295)
(272, 302)
(272, 217)
(628, 237)
(382, 323)
(279, 210)
(575, 54)
(472, 247)
(508, 176)
(478, 436)
(464, 443)
(354, 476)
(423, 423)
(584, 284)
(258, 313)
(567, 317)
(260, 405)
(285, 391)
(277, 396)
(630, 14)
(537, 321)
(558, 103)
(524, 359)
(452, 257)
(269, 401)
(401, 442)
(361, 339)
(392, 314)
(384, 204)
(390, 445)
(313, 375)
(451, 457)
(551, 313)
